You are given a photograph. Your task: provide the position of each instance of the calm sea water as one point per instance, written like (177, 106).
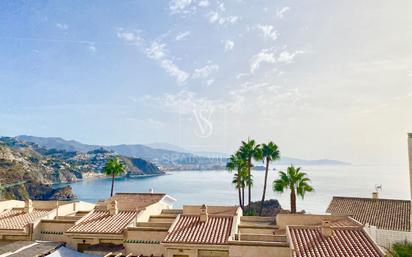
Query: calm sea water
(214, 187)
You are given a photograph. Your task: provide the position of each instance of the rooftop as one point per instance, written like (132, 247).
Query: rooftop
(387, 214)
(344, 241)
(189, 229)
(132, 201)
(17, 218)
(101, 222)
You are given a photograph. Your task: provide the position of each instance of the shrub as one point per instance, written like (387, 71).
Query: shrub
(402, 249)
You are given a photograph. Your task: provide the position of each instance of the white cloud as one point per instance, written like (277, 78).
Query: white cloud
(264, 56)
(62, 26)
(287, 57)
(281, 12)
(229, 45)
(268, 31)
(157, 52)
(205, 71)
(183, 102)
(215, 17)
(210, 82)
(129, 36)
(92, 48)
(222, 7)
(182, 35)
(203, 3)
(179, 6)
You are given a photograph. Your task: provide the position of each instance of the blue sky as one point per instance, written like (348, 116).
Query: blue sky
(322, 79)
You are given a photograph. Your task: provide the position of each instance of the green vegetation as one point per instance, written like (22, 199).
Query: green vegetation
(401, 249)
(235, 162)
(113, 168)
(294, 180)
(249, 151)
(241, 161)
(270, 152)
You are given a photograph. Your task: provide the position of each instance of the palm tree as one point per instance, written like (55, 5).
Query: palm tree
(250, 150)
(294, 180)
(270, 152)
(113, 167)
(235, 162)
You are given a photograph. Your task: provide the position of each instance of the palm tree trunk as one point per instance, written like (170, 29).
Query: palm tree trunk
(249, 186)
(292, 201)
(239, 191)
(111, 192)
(243, 198)
(264, 186)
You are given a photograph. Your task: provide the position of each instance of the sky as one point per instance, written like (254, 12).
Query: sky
(322, 79)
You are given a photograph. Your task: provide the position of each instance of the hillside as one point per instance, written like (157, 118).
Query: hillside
(28, 170)
(167, 156)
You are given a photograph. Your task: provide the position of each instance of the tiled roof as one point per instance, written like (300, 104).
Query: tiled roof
(101, 222)
(18, 219)
(136, 200)
(190, 230)
(382, 213)
(344, 242)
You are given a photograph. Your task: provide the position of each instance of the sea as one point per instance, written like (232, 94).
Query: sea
(215, 187)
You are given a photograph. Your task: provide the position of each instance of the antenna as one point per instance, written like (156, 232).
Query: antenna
(378, 188)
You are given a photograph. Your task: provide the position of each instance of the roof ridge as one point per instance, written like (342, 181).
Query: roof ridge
(370, 198)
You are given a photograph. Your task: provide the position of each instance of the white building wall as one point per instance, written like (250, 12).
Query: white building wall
(385, 238)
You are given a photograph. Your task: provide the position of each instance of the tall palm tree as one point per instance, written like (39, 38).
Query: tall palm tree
(113, 167)
(235, 162)
(249, 151)
(270, 152)
(294, 180)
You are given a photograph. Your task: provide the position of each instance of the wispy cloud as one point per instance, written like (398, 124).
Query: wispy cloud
(205, 71)
(156, 51)
(280, 13)
(264, 56)
(216, 18)
(179, 6)
(182, 35)
(287, 57)
(92, 48)
(229, 45)
(62, 26)
(268, 31)
(203, 3)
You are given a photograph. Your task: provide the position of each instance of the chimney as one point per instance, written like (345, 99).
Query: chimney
(57, 208)
(113, 207)
(375, 195)
(410, 161)
(326, 229)
(28, 206)
(204, 216)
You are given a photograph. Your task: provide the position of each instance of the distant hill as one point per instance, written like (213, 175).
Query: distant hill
(169, 156)
(167, 146)
(131, 150)
(30, 170)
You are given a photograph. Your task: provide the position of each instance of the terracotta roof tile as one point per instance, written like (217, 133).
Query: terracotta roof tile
(190, 230)
(383, 213)
(349, 241)
(101, 222)
(18, 219)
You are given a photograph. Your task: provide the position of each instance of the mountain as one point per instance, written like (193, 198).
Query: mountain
(167, 146)
(131, 150)
(295, 161)
(58, 143)
(167, 156)
(29, 170)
